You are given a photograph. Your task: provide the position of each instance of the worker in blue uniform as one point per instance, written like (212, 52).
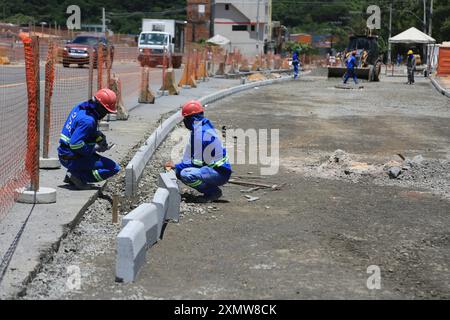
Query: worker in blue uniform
(351, 64)
(80, 142)
(296, 63)
(205, 164)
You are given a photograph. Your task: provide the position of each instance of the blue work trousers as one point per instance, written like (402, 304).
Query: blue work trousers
(91, 169)
(295, 70)
(350, 73)
(205, 179)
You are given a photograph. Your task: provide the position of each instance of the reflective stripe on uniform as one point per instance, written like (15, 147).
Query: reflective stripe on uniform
(77, 146)
(216, 164)
(195, 183)
(97, 175)
(65, 138)
(219, 163)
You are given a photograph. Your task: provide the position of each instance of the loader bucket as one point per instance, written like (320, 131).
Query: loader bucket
(339, 72)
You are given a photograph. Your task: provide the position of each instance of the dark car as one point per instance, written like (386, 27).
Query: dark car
(77, 51)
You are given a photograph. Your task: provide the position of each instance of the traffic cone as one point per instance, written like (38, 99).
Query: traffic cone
(169, 83)
(146, 95)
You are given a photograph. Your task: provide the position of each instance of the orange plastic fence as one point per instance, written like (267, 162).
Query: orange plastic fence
(16, 161)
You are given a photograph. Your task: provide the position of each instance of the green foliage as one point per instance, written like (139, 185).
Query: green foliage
(341, 18)
(20, 18)
(338, 18)
(291, 46)
(126, 16)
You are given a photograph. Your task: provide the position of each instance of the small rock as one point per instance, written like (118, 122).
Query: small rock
(418, 159)
(394, 172)
(251, 199)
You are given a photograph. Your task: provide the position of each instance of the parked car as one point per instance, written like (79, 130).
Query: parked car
(77, 50)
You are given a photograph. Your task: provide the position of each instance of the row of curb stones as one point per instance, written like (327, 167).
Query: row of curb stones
(144, 226)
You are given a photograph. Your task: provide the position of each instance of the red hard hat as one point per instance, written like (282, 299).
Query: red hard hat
(191, 107)
(107, 99)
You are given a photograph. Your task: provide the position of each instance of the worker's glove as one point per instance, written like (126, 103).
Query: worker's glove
(102, 146)
(101, 137)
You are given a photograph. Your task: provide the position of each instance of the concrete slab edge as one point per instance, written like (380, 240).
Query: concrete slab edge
(440, 88)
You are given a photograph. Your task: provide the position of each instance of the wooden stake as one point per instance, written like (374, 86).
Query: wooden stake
(115, 208)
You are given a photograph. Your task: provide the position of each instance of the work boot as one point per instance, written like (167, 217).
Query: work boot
(211, 197)
(77, 182)
(67, 179)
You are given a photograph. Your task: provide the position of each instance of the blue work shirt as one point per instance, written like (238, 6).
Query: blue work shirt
(79, 134)
(204, 148)
(351, 62)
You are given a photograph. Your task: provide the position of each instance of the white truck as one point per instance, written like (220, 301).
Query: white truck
(158, 35)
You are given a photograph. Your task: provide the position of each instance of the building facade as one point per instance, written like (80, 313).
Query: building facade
(199, 26)
(244, 23)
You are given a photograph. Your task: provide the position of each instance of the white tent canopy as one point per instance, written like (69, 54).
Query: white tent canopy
(412, 35)
(219, 40)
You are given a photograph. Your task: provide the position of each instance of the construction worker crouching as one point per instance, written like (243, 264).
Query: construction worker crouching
(205, 164)
(80, 141)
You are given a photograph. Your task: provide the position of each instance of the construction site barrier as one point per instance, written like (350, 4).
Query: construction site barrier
(20, 130)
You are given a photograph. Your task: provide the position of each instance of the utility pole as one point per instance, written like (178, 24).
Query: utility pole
(212, 18)
(269, 23)
(425, 47)
(430, 20)
(390, 33)
(103, 21)
(257, 27)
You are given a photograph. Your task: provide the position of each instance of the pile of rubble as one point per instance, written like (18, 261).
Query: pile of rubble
(430, 174)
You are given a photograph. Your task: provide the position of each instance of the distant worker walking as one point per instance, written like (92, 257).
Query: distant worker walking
(205, 164)
(296, 63)
(351, 64)
(411, 66)
(80, 141)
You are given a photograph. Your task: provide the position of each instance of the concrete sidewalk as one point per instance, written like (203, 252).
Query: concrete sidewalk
(30, 234)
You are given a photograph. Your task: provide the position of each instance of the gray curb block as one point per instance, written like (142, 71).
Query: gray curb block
(134, 169)
(143, 227)
(439, 88)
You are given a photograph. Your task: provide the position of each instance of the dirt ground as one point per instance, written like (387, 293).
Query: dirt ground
(336, 213)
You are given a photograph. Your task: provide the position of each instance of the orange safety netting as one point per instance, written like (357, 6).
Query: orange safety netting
(65, 87)
(18, 138)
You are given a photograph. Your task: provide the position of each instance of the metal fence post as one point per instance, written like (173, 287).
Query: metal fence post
(49, 79)
(91, 73)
